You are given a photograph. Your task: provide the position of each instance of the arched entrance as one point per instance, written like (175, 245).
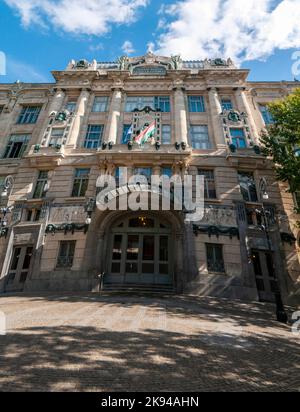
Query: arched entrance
(139, 251)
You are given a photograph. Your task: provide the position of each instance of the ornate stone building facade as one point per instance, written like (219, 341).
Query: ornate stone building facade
(56, 139)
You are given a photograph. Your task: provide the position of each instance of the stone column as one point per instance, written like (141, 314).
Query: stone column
(243, 106)
(215, 111)
(181, 129)
(79, 116)
(111, 132)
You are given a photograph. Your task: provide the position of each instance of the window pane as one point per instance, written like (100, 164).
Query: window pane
(100, 104)
(164, 248)
(133, 247)
(166, 134)
(226, 104)
(148, 248)
(93, 138)
(29, 114)
(215, 261)
(209, 183)
(268, 118)
(238, 138)
(200, 137)
(126, 136)
(66, 254)
(196, 104)
(117, 248)
(16, 146)
(248, 186)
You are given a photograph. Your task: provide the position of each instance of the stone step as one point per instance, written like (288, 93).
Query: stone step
(138, 288)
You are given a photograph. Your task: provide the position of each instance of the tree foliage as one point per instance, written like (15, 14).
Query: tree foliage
(282, 139)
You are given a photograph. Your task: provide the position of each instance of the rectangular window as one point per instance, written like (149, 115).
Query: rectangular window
(196, 104)
(200, 137)
(268, 118)
(41, 184)
(66, 254)
(209, 183)
(167, 171)
(2, 182)
(238, 138)
(162, 103)
(248, 186)
(16, 146)
(125, 135)
(71, 107)
(29, 114)
(215, 260)
(93, 138)
(81, 181)
(140, 102)
(143, 171)
(100, 104)
(166, 134)
(56, 138)
(226, 104)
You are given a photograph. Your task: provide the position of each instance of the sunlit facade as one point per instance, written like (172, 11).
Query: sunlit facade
(57, 139)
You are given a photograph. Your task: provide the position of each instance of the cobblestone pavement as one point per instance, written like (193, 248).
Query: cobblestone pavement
(134, 343)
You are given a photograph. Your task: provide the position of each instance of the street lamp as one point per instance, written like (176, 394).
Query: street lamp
(7, 186)
(3, 220)
(265, 214)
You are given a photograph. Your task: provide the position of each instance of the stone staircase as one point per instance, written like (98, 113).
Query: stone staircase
(150, 289)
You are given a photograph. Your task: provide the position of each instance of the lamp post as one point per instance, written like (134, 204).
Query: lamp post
(4, 211)
(7, 186)
(281, 314)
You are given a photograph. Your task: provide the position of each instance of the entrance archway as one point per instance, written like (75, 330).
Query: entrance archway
(140, 251)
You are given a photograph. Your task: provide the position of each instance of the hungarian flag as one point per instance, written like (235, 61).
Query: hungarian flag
(146, 134)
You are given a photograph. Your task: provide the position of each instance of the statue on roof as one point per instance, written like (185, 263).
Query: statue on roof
(176, 62)
(122, 62)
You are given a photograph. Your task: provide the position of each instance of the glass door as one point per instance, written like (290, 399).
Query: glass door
(264, 274)
(19, 268)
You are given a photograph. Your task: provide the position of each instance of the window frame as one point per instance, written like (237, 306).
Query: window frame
(41, 182)
(59, 138)
(227, 104)
(211, 268)
(103, 105)
(237, 139)
(195, 142)
(29, 114)
(196, 106)
(165, 133)
(249, 198)
(209, 178)
(94, 142)
(69, 257)
(155, 102)
(265, 114)
(82, 181)
(12, 141)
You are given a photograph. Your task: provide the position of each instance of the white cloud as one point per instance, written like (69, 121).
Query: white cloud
(93, 17)
(96, 47)
(242, 30)
(127, 47)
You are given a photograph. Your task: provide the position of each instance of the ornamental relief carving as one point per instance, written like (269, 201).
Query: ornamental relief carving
(64, 214)
(219, 216)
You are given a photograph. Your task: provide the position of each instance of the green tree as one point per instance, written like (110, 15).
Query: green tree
(281, 140)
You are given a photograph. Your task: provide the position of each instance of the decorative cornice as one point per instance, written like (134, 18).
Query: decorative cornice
(216, 231)
(66, 228)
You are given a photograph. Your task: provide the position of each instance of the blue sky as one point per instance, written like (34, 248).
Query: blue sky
(40, 36)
